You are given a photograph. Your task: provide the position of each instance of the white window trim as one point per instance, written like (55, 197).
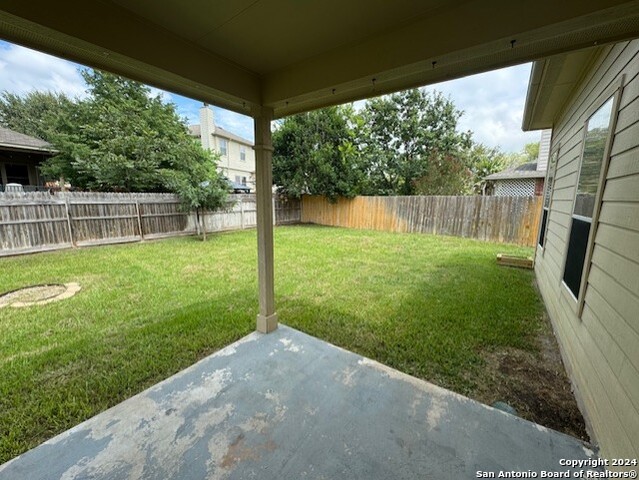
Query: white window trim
(224, 152)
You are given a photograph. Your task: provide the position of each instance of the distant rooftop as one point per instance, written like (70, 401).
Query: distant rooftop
(20, 141)
(195, 131)
(526, 170)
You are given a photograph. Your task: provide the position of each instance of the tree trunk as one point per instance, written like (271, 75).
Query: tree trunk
(204, 225)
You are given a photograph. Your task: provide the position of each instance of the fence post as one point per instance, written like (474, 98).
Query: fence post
(139, 218)
(273, 200)
(242, 212)
(68, 212)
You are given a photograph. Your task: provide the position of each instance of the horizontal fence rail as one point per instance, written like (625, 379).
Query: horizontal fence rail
(497, 219)
(38, 221)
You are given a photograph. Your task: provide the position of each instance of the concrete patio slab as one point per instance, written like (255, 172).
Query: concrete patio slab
(287, 405)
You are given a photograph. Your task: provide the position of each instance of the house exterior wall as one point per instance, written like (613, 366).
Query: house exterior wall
(600, 344)
(232, 164)
(238, 162)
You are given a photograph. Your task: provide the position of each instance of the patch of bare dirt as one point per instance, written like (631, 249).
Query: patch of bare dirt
(38, 295)
(535, 384)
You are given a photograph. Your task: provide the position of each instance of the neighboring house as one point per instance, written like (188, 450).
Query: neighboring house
(587, 260)
(525, 180)
(20, 158)
(237, 157)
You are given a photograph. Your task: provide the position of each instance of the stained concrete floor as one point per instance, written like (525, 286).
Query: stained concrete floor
(290, 406)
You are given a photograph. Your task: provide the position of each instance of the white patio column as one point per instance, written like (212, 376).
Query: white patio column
(267, 318)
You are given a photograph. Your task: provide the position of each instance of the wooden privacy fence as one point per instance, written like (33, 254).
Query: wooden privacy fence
(36, 222)
(496, 219)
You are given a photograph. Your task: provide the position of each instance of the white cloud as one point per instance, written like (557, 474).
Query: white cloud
(236, 123)
(163, 94)
(23, 70)
(493, 105)
(492, 102)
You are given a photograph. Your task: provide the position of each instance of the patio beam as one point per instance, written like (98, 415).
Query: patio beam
(267, 318)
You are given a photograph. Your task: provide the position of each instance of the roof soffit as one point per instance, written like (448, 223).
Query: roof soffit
(552, 82)
(456, 38)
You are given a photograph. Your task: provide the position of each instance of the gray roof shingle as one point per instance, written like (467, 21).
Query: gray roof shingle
(526, 170)
(9, 138)
(195, 130)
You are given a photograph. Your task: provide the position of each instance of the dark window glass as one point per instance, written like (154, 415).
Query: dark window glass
(17, 173)
(577, 246)
(542, 233)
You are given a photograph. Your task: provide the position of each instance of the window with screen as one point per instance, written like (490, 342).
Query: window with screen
(224, 146)
(243, 153)
(596, 140)
(552, 168)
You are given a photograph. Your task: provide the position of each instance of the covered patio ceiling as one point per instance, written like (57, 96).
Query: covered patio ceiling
(297, 55)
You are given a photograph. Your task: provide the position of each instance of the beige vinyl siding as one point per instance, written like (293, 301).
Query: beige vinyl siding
(231, 164)
(601, 348)
(544, 150)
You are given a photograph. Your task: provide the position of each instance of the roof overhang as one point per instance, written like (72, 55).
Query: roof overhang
(28, 149)
(517, 176)
(552, 81)
(294, 55)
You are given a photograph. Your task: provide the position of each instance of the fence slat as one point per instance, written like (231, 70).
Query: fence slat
(38, 221)
(497, 219)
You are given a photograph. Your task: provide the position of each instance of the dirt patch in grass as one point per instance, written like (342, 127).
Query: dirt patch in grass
(38, 295)
(535, 384)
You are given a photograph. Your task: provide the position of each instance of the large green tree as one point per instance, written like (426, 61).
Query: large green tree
(118, 138)
(49, 116)
(412, 145)
(36, 113)
(316, 153)
(485, 161)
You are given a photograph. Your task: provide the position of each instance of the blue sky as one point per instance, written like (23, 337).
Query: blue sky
(492, 102)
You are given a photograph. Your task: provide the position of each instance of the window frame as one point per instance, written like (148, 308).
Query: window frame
(548, 190)
(224, 151)
(242, 153)
(613, 92)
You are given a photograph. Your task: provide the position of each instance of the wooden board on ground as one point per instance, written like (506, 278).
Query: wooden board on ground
(512, 261)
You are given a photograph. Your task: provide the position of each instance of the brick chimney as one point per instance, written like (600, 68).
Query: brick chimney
(207, 126)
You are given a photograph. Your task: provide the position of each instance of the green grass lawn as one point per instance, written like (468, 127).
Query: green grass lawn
(429, 306)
